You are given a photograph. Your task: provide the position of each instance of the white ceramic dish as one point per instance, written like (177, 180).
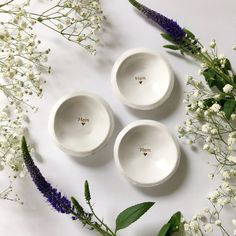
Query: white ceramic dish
(146, 153)
(81, 123)
(142, 79)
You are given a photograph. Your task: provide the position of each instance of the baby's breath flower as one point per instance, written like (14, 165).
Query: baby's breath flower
(211, 176)
(208, 228)
(206, 147)
(194, 226)
(214, 196)
(228, 88)
(215, 107)
(218, 222)
(187, 227)
(233, 116)
(206, 128)
(225, 175)
(213, 44)
(221, 56)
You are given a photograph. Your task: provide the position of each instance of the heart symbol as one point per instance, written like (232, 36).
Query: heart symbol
(140, 82)
(145, 154)
(83, 123)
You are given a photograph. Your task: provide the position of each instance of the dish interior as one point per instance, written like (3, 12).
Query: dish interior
(81, 124)
(147, 154)
(143, 78)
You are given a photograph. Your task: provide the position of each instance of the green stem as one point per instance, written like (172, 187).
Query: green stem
(6, 3)
(99, 220)
(93, 225)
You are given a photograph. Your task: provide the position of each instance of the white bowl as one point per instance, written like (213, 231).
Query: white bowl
(142, 79)
(146, 153)
(81, 123)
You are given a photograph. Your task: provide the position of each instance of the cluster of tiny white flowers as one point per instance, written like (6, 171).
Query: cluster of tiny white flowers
(204, 223)
(11, 132)
(21, 65)
(213, 44)
(228, 88)
(76, 20)
(7, 192)
(209, 220)
(21, 61)
(208, 126)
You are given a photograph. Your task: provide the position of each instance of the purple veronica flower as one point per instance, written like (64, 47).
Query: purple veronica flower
(168, 25)
(53, 196)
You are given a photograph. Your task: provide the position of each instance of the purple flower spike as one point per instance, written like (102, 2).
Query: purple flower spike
(59, 202)
(168, 25)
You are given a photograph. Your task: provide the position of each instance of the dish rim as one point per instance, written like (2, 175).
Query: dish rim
(52, 118)
(130, 127)
(124, 99)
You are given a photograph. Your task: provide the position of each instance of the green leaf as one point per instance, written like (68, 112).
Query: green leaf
(209, 75)
(131, 214)
(166, 37)
(175, 222)
(213, 79)
(87, 191)
(189, 33)
(172, 47)
(208, 102)
(77, 206)
(228, 64)
(172, 226)
(229, 107)
(164, 230)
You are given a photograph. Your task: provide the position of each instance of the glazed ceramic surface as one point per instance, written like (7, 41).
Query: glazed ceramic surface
(146, 153)
(81, 123)
(142, 79)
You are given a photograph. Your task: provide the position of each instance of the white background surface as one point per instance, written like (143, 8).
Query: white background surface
(74, 70)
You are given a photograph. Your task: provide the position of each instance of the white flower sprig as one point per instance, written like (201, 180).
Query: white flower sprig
(76, 20)
(209, 127)
(6, 194)
(22, 61)
(21, 65)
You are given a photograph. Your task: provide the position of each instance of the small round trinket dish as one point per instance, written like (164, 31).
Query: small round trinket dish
(146, 153)
(142, 79)
(81, 123)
